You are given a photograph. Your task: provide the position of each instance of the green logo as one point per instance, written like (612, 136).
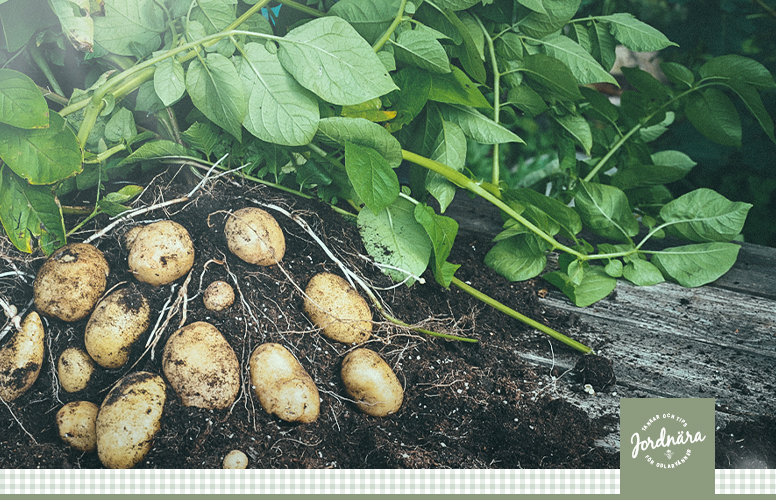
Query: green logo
(673, 445)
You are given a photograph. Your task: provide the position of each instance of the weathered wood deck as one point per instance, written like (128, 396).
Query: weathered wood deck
(716, 341)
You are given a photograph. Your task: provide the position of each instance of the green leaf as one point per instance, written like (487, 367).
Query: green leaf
(594, 285)
(44, 155)
(509, 46)
(614, 268)
(518, 258)
(394, 238)
(369, 17)
(419, 48)
(477, 126)
(579, 130)
(125, 194)
(279, 110)
(582, 65)
(527, 100)
(20, 20)
(414, 90)
(203, 136)
(715, 116)
(552, 76)
(567, 219)
(328, 57)
(642, 273)
(705, 215)
(456, 88)
(647, 84)
(602, 45)
(455, 4)
(534, 5)
(214, 15)
(605, 210)
(338, 130)
(28, 212)
(470, 52)
(216, 90)
(22, 104)
(696, 265)
(441, 231)
(155, 150)
(373, 179)
(634, 34)
(754, 104)
(128, 22)
(740, 68)
(79, 29)
(450, 149)
(169, 81)
(121, 126)
(600, 108)
(678, 74)
(669, 166)
(649, 134)
(555, 15)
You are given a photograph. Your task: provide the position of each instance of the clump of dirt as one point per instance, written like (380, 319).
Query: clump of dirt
(596, 371)
(467, 405)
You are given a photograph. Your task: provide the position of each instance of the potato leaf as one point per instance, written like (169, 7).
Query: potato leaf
(328, 57)
(127, 23)
(696, 265)
(477, 126)
(216, 90)
(339, 130)
(705, 215)
(634, 34)
(450, 149)
(518, 258)
(373, 179)
(419, 48)
(642, 273)
(582, 65)
(369, 17)
(605, 210)
(588, 286)
(22, 104)
(441, 231)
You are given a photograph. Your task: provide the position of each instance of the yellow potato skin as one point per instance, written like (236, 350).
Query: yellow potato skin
(77, 424)
(219, 295)
(161, 253)
(116, 323)
(70, 282)
(254, 236)
(337, 309)
(235, 459)
(21, 358)
(201, 366)
(283, 386)
(129, 418)
(371, 383)
(74, 369)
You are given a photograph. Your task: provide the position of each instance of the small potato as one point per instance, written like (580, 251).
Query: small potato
(74, 369)
(21, 358)
(77, 423)
(128, 420)
(201, 366)
(235, 459)
(218, 296)
(161, 253)
(282, 385)
(255, 236)
(115, 325)
(71, 282)
(371, 383)
(335, 307)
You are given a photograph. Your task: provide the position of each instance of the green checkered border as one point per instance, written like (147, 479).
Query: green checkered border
(567, 481)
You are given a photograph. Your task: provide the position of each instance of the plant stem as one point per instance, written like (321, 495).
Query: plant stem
(51, 96)
(301, 8)
(520, 317)
(395, 24)
(612, 151)
(495, 174)
(461, 180)
(45, 68)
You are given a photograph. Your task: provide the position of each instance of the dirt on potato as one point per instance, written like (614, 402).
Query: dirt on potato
(466, 405)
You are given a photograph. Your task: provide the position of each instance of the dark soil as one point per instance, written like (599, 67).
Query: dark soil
(466, 405)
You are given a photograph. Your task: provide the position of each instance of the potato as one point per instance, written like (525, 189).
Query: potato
(71, 282)
(255, 236)
(161, 253)
(335, 307)
(282, 385)
(21, 358)
(74, 369)
(129, 237)
(371, 383)
(235, 459)
(77, 423)
(129, 418)
(218, 296)
(201, 366)
(116, 323)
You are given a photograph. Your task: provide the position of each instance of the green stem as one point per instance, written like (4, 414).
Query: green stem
(395, 24)
(614, 149)
(461, 180)
(495, 174)
(45, 68)
(301, 8)
(107, 154)
(520, 317)
(51, 96)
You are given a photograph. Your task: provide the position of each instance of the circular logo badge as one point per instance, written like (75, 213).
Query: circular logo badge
(665, 441)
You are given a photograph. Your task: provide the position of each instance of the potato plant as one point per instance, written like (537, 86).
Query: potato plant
(371, 105)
